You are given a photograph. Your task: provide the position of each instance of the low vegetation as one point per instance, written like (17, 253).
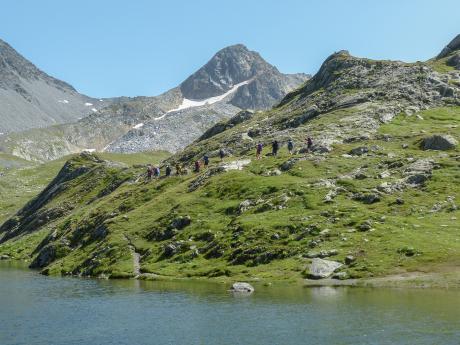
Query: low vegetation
(264, 222)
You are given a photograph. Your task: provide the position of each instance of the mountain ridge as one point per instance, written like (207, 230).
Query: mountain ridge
(31, 98)
(149, 123)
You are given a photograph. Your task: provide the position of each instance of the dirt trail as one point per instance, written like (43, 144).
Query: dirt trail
(136, 258)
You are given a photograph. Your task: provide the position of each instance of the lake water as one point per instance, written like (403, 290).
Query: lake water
(35, 310)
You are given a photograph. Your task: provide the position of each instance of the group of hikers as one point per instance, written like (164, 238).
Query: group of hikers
(154, 172)
(276, 147)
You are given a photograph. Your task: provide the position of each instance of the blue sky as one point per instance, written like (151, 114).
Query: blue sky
(138, 47)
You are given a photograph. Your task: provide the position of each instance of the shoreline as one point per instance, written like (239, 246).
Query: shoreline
(407, 280)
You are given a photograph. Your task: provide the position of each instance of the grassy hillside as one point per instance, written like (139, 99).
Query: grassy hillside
(365, 194)
(263, 222)
(21, 180)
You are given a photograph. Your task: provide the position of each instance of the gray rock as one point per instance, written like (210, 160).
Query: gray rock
(171, 249)
(365, 226)
(245, 205)
(416, 179)
(384, 174)
(288, 164)
(321, 268)
(439, 142)
(274, 172)
(321, 148)
(275, 236)
(4, 257)
(181, 222)
(322, 254)
(369, 198)
(240, 287)
(349, 259)
(359, 151)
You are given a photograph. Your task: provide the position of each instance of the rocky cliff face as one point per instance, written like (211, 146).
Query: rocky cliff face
(30, 98)
(264, 84)
(234, 79)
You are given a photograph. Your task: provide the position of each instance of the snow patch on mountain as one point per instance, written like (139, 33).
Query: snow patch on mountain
(192, 103)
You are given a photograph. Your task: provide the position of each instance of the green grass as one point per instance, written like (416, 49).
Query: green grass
(440, 65)
(22, 180)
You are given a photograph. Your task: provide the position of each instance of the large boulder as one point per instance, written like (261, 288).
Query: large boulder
(359, 151)
(439, 142)
(239, 287)
(321, 268)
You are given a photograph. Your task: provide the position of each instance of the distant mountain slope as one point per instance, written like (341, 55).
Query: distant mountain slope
(234, 79)
(30, 98)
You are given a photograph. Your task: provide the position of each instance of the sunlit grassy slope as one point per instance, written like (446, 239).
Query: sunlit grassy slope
(111, 212)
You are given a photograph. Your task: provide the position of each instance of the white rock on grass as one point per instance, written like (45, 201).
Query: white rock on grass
(239, 287)
(321, 268)
(236, 165)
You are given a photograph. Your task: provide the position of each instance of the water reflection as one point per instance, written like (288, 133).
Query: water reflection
(44, 310)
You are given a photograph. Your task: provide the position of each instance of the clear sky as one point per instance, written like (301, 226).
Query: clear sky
(138, 47)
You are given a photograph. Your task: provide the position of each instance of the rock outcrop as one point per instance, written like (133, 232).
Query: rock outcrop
(321, 268)
(439, 142)
(451, 47)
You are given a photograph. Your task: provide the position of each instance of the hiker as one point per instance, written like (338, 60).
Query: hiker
(197, 166)
(168, 171)
(178, 169)
(149, 172)
(157, 172)
(290, 146)
(206, 161)
(275, 147)
(221, 154)
(309, 144)
(259, 150)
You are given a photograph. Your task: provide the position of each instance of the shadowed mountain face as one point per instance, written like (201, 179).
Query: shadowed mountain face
(234, 79)
(30, 98)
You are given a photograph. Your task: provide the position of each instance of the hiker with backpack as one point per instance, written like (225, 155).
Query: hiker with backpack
(206, 161)
(149, 172)
(275, 147)
(197, 166)
(259, 148)
(221, 154)
(156, 172)
(290, 146)
(309, 144)
(168, 171)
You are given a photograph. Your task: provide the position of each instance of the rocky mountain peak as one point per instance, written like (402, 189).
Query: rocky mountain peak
(451, 47)
(228, 67)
